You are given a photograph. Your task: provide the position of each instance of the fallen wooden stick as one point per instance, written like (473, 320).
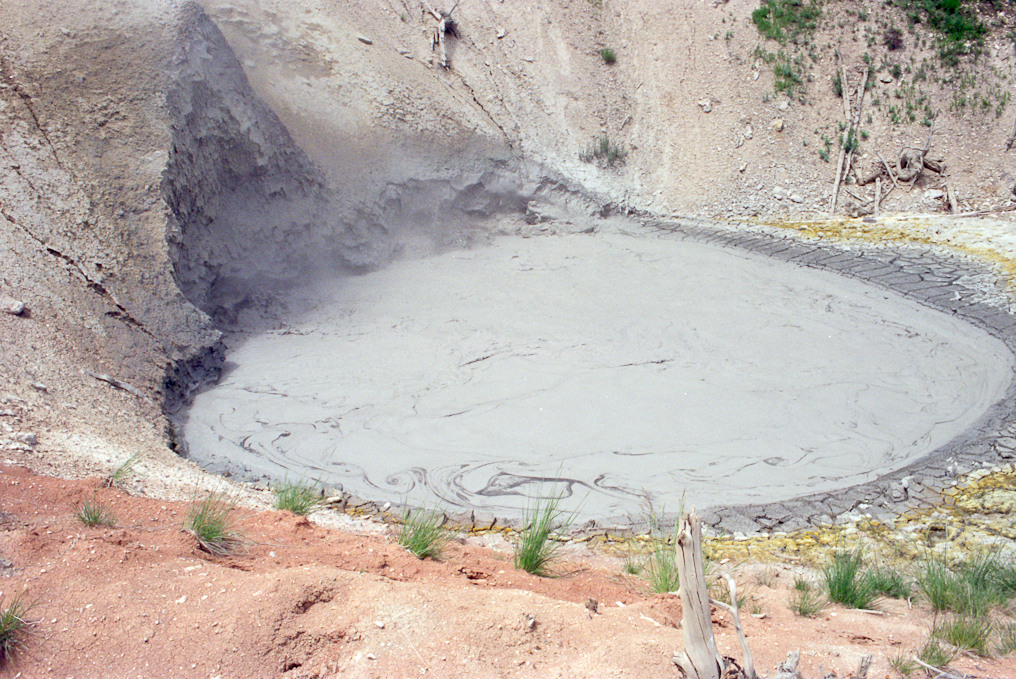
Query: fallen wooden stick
(119, 384)
(978, 213)
(941, 673)
(888, 171)
(836, 186)
(856, 126)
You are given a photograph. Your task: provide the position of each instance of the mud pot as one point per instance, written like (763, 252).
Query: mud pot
(615, 369)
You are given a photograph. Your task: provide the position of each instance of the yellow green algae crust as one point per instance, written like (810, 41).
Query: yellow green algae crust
(910, 229)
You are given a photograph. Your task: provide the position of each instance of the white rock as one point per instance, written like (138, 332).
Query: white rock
(784, 105)
(706, 104)
(15, 307)
(501, 33)
(796, 198)
(365, 40)
(776, 125)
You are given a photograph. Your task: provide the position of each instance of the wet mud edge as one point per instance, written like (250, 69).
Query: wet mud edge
(954, 284)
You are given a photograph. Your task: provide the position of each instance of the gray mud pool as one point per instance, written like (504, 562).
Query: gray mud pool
(608, 368)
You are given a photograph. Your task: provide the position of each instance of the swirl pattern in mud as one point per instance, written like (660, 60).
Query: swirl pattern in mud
(606, 368)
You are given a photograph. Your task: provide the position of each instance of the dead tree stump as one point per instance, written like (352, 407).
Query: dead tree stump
(700, 659)
(910, 164)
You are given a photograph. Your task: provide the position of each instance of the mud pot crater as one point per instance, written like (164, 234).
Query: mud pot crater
(397, 335)
(611, 368)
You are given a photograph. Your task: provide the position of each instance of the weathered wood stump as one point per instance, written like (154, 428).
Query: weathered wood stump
(700, 659)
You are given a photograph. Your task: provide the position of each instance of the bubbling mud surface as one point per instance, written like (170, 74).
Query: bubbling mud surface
(607, 368)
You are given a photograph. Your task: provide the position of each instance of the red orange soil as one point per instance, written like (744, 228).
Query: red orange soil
(140, 600)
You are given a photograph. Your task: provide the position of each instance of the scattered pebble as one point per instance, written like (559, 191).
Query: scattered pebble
(14, 307)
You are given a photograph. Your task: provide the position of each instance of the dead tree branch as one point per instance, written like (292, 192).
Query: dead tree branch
(887, 170)
(445, 25)
(749, 664)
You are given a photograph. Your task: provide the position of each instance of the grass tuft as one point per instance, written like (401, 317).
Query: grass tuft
(939, 584)
(661, 567)
(211, 524)
(846, 583)
(608, 55)
(1006, 638)
(973, 588)
(605, 151)
(423, 534)
(935, 654)
(965, 632)
(536, 547)
(297, 497)
(14, 625)
(889, 582)
(632, 565)
(124, 471)
(903, 664)
(94, 513)
(804, 600)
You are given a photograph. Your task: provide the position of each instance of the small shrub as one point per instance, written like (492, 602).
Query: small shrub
(783, 20)
(965, 632)
(804, 600)
(298, 498)
(846, 583)
(838, 85)
(211, 524)
(605, 151)
(893, 39)
(423, 534)
(14, 625)
(537, 544)
(608, 55)
(94, 513)
(849, 141)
